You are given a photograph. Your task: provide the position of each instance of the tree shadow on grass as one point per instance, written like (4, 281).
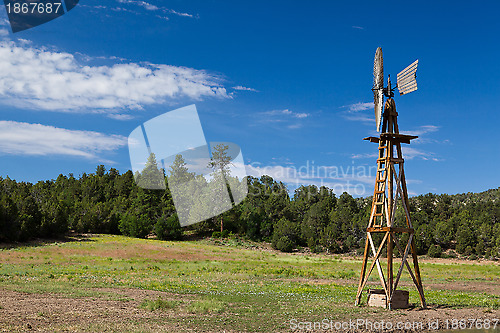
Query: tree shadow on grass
(37, 242)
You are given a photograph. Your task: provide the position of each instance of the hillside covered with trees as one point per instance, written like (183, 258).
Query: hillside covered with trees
(109, 202)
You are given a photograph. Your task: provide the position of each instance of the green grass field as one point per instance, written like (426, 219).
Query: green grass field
(212, 285)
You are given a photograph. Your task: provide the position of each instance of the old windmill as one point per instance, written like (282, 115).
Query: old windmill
(390, 192)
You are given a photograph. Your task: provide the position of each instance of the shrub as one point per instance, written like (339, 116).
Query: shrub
(216, 234)
(284, 244)
(285, 235)
(451, 254)
(435, 251)
(468, 250)
(168, 228)
(134, 226)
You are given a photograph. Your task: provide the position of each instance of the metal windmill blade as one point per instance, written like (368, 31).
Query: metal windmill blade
(378, 86)
(407, 79)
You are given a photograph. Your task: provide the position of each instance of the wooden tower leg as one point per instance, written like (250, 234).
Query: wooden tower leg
(420, 287)
(363, 273)
(390, 280)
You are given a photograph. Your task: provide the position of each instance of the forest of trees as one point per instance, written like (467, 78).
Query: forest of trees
(109, 202)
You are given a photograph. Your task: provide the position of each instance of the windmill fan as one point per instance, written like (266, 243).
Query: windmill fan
(378, 86)
(407, 83)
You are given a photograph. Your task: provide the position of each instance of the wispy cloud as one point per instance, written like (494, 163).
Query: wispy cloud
(411, 153)
(360, 106)
(424, 130)
(356, 180)
(359, 117)
(154, 8)
(144, 4)
(423, 138)
(171, 11)
(18, 138)
(38, 78)
(286, 117)
(365, 155)
(355, 112)
(286, 113)
(241, 88)
(358, 27)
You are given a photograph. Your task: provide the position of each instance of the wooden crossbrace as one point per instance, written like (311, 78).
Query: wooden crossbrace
(403, 262)
(375, 262)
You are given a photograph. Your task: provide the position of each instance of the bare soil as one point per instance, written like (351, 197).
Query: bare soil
(24, 312)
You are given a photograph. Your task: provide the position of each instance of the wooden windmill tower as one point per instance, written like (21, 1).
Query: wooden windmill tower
(390, 192)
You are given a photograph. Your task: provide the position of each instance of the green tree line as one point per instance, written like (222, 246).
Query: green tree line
(109, 202)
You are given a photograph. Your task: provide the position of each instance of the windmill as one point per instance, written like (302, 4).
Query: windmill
(390, 193)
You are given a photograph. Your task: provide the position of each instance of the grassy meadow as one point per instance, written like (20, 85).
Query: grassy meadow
(217, 284)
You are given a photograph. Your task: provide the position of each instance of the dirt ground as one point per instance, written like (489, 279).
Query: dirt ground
(24, 312)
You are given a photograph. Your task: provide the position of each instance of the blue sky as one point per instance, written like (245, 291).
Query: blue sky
(288, 81)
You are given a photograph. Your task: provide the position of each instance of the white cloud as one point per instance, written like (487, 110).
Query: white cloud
(289, 119)
(357, 180)
(37, 78)
(245, 89)
(360, 106)
(358, 27)
(301, 115)
(360, 117)
(150, 7)
(411, 153)
(424, 130)
(180, 13)
(286, 113)
(365, 155)
(17, 138)
(120, 116)
(353, 112)
(144, 4)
